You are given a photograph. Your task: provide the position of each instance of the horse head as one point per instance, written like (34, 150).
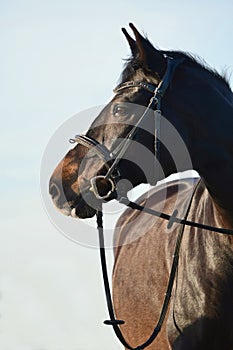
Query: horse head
(79, 183)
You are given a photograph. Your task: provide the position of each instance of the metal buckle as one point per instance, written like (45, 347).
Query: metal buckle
(94, 187)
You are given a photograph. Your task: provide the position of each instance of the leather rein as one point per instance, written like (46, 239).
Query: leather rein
(113, 175)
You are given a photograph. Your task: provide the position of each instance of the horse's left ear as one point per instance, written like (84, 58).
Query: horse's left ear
(149, 57)
(131, 41)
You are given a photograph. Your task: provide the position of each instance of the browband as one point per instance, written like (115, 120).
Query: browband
(141, 84)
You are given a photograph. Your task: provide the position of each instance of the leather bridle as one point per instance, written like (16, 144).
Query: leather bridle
(113, 174)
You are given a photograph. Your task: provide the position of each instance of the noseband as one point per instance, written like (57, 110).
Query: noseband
(107, 156)
(113, 174)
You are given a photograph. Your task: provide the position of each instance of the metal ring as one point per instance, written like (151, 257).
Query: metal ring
(94, 187)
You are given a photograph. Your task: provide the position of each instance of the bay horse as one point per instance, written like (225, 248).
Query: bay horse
(197, 103)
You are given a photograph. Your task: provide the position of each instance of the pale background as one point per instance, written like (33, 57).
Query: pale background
(58, 58)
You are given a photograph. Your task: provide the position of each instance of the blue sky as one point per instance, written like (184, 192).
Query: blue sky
(59, 58)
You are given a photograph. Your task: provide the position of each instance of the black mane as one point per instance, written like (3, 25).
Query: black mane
(133, 65)
(200, 62)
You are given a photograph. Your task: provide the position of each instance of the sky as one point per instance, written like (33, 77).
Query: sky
(59, 58)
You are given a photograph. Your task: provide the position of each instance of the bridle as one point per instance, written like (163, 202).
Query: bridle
(113, 175)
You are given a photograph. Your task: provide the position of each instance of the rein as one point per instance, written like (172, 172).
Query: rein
(113, 321)
(171, 219)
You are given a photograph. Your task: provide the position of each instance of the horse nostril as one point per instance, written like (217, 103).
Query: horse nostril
(54, 190)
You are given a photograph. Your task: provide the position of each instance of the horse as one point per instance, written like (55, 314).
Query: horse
(127, 146)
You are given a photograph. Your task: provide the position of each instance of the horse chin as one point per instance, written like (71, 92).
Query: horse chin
(84, 212)
(65, 209)
(84, 206)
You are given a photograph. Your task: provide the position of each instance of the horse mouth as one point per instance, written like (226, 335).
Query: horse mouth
(82, 205)
(78, 211)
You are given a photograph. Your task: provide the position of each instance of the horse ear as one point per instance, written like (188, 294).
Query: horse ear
(131, 41)
(149, 57)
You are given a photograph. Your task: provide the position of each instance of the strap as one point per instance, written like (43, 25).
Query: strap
(113, 321)
(121, 149)
(173, 217)
(89, 142)
(130, 84)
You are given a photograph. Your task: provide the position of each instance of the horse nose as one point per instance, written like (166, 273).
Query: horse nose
(54, 191)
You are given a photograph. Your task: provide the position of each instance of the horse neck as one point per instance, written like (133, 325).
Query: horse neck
(211, 148)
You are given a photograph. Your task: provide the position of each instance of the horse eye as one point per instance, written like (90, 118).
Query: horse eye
(120, 111)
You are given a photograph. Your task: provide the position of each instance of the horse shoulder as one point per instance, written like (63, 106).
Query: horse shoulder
(165, 197)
